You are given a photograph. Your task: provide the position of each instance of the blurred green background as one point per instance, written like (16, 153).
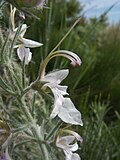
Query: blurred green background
(94, 87)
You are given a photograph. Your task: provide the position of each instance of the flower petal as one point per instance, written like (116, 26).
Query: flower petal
(56, 77)
(29, 43)
(24, 53)
(64, 141)
(76, 135)
(62, 89)
(68, 154)
(23, 30)
(69, 114)
(21, 52)
(73, 147)
(57, 102)
(28, 57)
(75, 156)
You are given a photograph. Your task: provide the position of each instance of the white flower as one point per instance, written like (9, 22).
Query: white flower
(63, 107)
(23, 50)
(68, 144)
(24, 44)
(24, 54)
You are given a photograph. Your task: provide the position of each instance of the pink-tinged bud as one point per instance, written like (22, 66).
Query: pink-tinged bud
(75, 60)
(26, 3)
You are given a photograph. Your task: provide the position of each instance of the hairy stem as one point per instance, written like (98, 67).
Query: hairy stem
(34, 129)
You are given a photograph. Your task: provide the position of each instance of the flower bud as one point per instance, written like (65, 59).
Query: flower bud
(26, 3)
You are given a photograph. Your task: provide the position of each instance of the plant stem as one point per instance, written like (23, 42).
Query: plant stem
(23, 73)
(59, 123)
(35, 130)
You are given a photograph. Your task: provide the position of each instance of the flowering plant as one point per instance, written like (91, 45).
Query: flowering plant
(25, 124)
